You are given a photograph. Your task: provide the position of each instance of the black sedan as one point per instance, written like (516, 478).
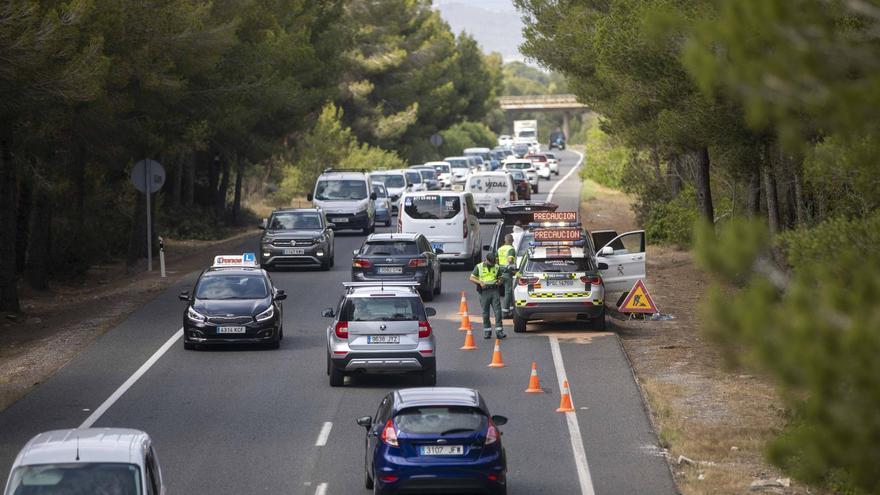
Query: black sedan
(398, 257)
(233, 305)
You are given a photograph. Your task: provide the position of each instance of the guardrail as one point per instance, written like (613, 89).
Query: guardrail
(540, 102)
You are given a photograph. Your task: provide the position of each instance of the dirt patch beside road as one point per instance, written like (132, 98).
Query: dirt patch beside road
(718, 420)
(59, 324)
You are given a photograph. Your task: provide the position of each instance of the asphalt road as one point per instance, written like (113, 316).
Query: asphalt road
(247, 421)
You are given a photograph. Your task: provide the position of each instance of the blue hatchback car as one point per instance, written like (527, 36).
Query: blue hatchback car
(434, 440)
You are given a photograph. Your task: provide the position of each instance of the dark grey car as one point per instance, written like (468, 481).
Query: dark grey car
(297, 237)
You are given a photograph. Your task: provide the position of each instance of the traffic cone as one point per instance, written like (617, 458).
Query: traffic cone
(565, 402)
(465, 320)
(469, 344)
(462, 306)
(534, 384)
(497, 362)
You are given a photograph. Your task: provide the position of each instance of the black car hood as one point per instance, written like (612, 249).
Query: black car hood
(235, 307)
(294, 234)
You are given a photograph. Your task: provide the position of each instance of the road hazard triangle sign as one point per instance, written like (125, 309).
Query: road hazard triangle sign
(638, 300)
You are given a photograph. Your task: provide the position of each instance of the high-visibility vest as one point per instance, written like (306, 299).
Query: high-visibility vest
(488, 275)
(503, 253)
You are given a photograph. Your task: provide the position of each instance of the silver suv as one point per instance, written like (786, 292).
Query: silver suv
(380, 328)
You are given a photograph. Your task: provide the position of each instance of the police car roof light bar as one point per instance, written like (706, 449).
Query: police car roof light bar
(581, 242)
(550, 225)
(379, 284)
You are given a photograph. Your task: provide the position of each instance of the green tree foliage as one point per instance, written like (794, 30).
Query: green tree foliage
(466, 135)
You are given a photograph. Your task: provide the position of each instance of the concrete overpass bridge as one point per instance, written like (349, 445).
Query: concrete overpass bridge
(544, 103)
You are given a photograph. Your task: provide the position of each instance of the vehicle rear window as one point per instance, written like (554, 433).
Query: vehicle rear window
(440, 420)
(517, 174)
(427, 174)
(562, 265)
(229, 286)
(414, 177)
(441, 169)
(295, 221)
(519, 166)
(487, 184)
(79, 477)
(380, 190)
(459, 163)
(432, 207)
(382, 308)
(390, 180)
(390, 248)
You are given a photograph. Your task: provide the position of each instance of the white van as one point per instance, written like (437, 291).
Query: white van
(491, 189)
(461, 168)
(448, 219)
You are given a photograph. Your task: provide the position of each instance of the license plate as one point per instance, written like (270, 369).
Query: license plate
(442, 450)
(294, 251)
(383, 339)
(559, 283)
(436, 245)
(390, 269)
(340, 220)
(231, 330)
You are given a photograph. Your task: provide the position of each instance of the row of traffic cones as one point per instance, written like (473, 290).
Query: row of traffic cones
(565, 404)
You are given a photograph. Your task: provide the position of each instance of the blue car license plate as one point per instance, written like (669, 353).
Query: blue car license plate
(436, 245)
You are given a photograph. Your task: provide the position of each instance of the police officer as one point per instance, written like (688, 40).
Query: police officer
(487, 276)
(507, 263)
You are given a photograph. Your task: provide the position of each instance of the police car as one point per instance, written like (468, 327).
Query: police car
(233, 302)
(559, 278)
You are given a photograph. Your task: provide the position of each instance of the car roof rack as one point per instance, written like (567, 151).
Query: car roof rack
(380, 284)
(331, 170)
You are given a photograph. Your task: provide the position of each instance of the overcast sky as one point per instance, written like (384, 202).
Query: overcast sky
(495, 24)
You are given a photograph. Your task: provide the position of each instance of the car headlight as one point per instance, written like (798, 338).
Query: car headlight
(195, 315)
(265, 315)
(320, 238)
(266, 240)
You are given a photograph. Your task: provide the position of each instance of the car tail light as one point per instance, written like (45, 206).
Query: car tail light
(388, 478)
(342, 329)
(389, 434)
(597, 280)
(523, 281)
(417, 262)
(424, 329)
(361, 263)
(491, 433)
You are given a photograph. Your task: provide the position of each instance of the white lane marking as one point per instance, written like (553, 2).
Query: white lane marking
(96, 415)
(574, 429)
(563, 179)
(322, 489)
(324, 435)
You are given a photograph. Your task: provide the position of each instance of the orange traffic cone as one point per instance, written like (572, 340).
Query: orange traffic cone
(534, 384)
(462, 306)
(465, 321)
(497, 362)
(565, 402)
(469, 344)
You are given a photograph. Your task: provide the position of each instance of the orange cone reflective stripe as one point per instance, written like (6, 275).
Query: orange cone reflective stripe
(497, 362)
(534, 384)
(565, 404)
(469, 344)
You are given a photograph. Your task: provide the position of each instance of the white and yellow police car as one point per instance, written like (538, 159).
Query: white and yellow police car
(559, 279)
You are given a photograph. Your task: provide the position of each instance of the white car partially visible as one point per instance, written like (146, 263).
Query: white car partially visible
(444, 173)
(552, 162)
(527, 167)
(505, 140)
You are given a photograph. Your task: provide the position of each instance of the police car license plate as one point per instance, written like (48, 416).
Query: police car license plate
(231, 330)
(383, 339)
(340, 220)
(390, 269)
(294, 251)
(559, 283)
(442, 450)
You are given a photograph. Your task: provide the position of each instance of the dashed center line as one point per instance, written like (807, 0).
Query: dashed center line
(324, 435)
(322, 489)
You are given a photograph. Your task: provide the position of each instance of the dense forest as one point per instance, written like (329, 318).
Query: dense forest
(758, 119)
(231, 96)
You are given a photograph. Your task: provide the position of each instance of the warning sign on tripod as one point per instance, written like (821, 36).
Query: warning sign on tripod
(638, 301)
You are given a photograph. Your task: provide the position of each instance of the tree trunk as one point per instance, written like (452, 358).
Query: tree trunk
(38, 249)
(769, 180)
(25, 200)
(236, 202)
(8, 181)
(675, 173)
(754, 196)
(189, 188)
(703, 186)
(800, 206)
(213, 179)
(177, 181)
(81, 189)
(655, 160)
(137, 243)
(222, 191)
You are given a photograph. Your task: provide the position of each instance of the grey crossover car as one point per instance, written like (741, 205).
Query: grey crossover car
(297, 237)
(380, 328)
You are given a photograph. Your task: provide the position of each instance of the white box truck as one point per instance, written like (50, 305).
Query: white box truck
(526, 132)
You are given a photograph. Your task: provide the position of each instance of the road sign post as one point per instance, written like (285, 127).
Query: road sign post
(148, 176)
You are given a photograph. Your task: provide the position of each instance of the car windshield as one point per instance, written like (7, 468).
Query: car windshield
(441, 169)
(440, 420)
(220, 286)
(390, 248)
(427, 174)
(341, 190)
(458, 163)
(414, 177)
(76, 478)
(380, 190)
(382, 308)
(562, 265)
(487, 184)
(432, 207)
(391, 180)
(295, 220)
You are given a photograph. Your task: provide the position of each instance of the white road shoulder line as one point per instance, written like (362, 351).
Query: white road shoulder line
(566, 176)
(324, 434)
(574, 429)
(322, 489)
(97, 413)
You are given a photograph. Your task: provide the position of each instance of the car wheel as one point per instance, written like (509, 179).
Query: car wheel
(535, 189)
(429, 377)
(519, 323)
(599, 322)
(428, 294)
(189, 346)
(332, 258)
(337, 377)
(281, 333)
(325, 265)
(276, 342)
(368, 480)
(439, 287)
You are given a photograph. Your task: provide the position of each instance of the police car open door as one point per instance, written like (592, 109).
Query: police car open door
(625, 256)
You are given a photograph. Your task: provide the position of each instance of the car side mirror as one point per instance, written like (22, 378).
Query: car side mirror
(429, 311)
(327, 313)
(310, 197)
(499, 420)
(365, 421)
(487, 247)
(356, 252)
(438, 251)
(607, 251)
(263, 224)
(280, 295)
(331, 225)
(373, 196)
(603, 266)
(183, 296)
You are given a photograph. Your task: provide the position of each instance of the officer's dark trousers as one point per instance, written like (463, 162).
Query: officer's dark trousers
(491, 299)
